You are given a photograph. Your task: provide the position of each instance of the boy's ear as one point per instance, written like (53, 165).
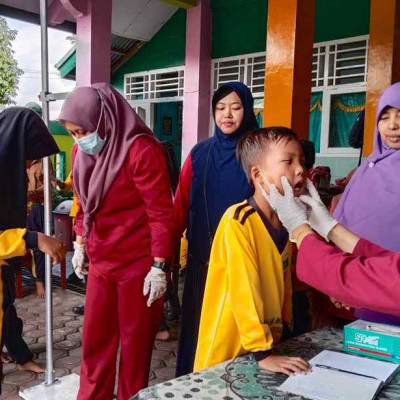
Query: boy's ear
(255, 174)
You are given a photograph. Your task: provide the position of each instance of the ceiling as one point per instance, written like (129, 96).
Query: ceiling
(134, 19)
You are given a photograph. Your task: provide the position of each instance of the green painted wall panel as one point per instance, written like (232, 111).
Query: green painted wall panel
(239, 27)
(65, 143)
(338, 19)
(166, 49)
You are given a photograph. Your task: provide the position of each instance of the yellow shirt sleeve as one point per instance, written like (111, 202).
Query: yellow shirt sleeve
(245, 288)
(68, 181)
(12, 244)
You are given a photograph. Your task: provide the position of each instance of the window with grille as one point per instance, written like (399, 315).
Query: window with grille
(334, 63)
(249, 69)
(155, 85)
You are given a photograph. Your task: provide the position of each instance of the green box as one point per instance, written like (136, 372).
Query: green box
(372, 340)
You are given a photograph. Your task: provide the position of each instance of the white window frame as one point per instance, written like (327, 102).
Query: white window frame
(325, 150)
(327, 92)
(245, 64)
(155, 72)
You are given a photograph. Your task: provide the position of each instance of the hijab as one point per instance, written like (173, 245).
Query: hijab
(23, 136)
(370, 204)
(101, 107)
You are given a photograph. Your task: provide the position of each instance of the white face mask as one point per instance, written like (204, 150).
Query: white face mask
(263, 192)
(91, 144)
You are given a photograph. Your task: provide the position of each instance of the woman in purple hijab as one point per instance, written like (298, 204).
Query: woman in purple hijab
(125, 208)
(370, 205)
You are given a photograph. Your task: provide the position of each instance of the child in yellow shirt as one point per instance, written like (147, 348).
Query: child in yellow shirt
(247, 303)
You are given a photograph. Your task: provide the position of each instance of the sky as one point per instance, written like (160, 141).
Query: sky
(27, 53)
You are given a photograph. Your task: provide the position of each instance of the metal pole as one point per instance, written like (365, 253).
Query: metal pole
(49, 375)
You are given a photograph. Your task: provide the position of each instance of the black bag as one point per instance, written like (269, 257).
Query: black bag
(356, 136)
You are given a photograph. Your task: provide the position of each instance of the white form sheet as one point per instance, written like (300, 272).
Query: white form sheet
(323, 384)
(381, 370)
(346, 384)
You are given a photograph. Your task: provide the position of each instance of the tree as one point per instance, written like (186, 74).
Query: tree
(9, 71)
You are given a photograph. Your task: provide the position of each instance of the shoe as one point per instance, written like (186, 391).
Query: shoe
(79, 310)
(172, 307)
(74, 280)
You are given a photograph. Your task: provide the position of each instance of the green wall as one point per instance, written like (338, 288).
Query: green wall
(166, 49)
(239, 27)
(338, 19)
(64, 142)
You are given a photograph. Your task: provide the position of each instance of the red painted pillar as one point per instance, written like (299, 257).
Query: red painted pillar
(197, 90)
(94, 43)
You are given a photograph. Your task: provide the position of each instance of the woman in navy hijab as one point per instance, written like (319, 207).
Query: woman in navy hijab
(211, 181)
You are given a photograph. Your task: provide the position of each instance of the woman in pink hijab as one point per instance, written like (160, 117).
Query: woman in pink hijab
(121, 179)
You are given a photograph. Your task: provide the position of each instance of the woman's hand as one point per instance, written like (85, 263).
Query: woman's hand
(79, 264)
(285, 365)
(52, 247)
(291, 212)
(319, 218)
(155, 285)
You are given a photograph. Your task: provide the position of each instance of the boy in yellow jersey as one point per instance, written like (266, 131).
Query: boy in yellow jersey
(247, 305)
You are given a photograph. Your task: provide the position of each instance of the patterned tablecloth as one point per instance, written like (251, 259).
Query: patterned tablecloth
(241, 378)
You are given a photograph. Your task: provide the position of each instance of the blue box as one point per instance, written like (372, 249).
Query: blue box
(372, 340)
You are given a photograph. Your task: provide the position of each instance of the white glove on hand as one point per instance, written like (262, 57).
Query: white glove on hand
(319, 218)
(155, 283)
(289, 209)
(79, 264)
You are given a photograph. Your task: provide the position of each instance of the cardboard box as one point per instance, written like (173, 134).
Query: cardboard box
(372, 340)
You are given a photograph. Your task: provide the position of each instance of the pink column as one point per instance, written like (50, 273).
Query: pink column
(94, 43)
(197, 90)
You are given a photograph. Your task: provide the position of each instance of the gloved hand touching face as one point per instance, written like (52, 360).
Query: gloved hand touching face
(319, 218)
(290, 210)
(79, 263)
(155, 285)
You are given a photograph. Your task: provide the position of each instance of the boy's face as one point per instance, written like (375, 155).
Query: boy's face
(284, 158)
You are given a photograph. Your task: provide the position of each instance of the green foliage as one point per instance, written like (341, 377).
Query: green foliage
(9, 71)
(58, 196)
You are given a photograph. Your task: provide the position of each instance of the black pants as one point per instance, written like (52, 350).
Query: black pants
(35, 223)
(12, 325)
(192, 301)
(171, 306)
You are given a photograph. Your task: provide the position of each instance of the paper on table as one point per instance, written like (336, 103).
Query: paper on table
(379, 369)
(323, 384)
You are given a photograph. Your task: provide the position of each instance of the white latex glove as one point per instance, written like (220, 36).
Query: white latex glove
(319, 218)
(79, 263)
(289, 209)
(155, 283)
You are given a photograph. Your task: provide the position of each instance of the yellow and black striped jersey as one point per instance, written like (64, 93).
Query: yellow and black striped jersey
(248, 293)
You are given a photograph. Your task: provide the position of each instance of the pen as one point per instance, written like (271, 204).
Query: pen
(343, 370)
(378, 329)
